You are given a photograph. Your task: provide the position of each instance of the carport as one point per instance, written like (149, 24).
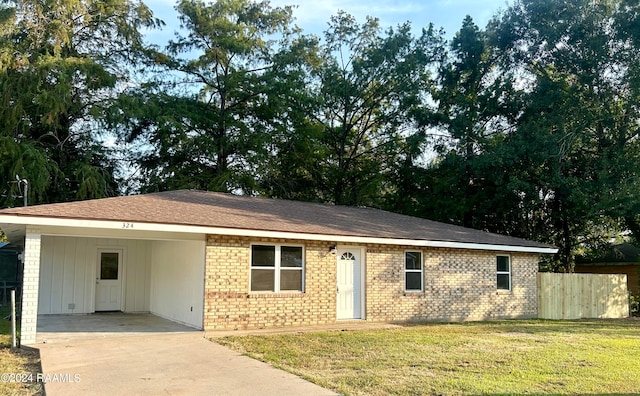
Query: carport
(82, 267)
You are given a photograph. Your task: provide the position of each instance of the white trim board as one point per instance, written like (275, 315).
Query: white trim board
(133, 227)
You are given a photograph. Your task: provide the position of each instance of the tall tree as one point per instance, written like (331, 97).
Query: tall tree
(290, 168)
(577, 135)
(205, 116)
(474, 100)
(363, 88)
(59, 62)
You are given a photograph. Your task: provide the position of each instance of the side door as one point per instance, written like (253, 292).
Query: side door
(109, 280)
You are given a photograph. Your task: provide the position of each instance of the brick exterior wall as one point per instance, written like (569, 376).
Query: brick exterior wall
(458, 285)
(230, 306)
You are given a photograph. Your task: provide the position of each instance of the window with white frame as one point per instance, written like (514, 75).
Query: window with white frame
(413, 271)
(276, 268)
(503, 267)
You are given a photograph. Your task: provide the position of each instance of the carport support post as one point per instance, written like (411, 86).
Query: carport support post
(13, 318)
(30, 283)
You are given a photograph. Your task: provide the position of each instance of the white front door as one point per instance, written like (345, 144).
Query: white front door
(349, 290)
(109, 280)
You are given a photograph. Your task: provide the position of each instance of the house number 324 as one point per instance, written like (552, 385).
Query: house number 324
(127, 225)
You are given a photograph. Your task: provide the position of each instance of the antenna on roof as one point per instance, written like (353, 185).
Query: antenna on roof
(23, 188)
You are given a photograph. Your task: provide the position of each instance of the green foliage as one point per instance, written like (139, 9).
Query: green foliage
(528, 127)
(361, 86)
(536, 129)
(368, 85)
(472, 113)
(577, 129)
(208, 121)
(634, 305)
(59, 61)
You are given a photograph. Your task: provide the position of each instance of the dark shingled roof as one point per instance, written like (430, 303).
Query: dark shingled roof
(209, 209)
(624, 253)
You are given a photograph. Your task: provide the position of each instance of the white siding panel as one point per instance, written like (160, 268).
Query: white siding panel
(57, 271)
(68, 273)
(137, 270)
(90, 257)
(46, 271)
(177, 281)
(69, 268)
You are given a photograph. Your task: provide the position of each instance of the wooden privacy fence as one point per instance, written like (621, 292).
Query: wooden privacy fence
(578, 296)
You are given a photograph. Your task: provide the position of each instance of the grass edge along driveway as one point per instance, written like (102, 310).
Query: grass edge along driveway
(503, 357)
(23, 361)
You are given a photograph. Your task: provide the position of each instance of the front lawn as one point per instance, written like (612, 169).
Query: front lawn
(506, 357)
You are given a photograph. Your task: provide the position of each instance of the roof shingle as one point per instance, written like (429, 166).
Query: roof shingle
(210, 209)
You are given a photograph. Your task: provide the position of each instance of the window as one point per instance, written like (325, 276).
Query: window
(413, 271)
(108, 265)
(347, 256)
(276, 268)
(503, 264)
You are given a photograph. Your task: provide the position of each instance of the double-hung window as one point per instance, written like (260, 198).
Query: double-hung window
(503, 267)
(277, 268)
(413, 271)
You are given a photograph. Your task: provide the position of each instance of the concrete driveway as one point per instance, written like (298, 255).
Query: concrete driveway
(143, 361)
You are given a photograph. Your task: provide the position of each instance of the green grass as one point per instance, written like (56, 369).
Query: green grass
(18, 361)
(506, 357)
(5, 328)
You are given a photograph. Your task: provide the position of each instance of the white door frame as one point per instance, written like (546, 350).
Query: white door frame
(361, 251)
(121, 274)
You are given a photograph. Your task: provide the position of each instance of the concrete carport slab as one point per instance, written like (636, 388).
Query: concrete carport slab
(152, 363)
(57, 328)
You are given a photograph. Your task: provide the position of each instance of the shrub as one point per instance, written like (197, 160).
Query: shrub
(634, 305)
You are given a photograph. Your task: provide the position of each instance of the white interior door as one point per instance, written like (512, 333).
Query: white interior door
(109, 280)
(349, 288)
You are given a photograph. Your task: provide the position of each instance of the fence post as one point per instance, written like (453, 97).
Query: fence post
(13, 318)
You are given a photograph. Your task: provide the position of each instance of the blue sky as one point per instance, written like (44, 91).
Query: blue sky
(312, 16)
